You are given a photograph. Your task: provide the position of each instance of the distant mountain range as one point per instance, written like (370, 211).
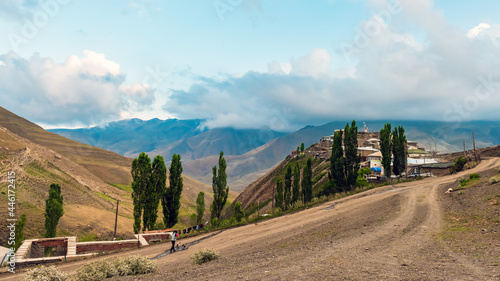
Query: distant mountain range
(91, 180)
(166, 137)
(250, 153)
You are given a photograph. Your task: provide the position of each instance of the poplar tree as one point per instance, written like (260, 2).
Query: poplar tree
(53, 210)
(352, 158)
(220, 188)
(154, 192)
(337, 161)
(307, 182)
(141, 180)
(398, 150)
(278, 198)
(171, 200)
(200, 207)
(288, 187)
(19, 231)
(296, 184)
(385, 149)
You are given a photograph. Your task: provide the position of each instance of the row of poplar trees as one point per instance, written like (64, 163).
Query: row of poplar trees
(345, 160)
(287, 195)
(149, 188)
(393, 142)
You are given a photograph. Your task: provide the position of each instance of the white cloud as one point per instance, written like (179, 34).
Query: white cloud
(85, 90)
(474, 32)
(315, 64)
(396, 77)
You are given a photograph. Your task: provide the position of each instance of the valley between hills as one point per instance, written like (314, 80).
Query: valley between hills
(411, 230)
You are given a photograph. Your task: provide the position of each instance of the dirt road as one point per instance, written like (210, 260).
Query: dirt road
(388, 233)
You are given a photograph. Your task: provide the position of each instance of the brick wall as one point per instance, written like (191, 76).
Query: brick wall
(104, 246)
(156, 236)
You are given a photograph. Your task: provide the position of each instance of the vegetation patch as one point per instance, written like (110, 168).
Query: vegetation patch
(46, 273)
(204, 255)
(472, 180)
(103, 269)
(88, 237)
(250, 210)
(124, 187)
(106, 197)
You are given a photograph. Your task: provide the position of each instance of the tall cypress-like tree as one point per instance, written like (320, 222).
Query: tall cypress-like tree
(385, 149)
(278, 198)
(19, 231)
(337, 161)
(288, 187)
(307, 182)
(154, 192)
(171, 200)
(53, 210)
(220, 188)
(352, 158)
(141, 180)
(296, 184)
(200, 207)
(398, 150)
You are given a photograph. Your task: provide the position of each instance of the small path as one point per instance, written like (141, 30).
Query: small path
(187, 245)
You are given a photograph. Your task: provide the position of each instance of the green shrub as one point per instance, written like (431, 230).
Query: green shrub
(493, 180)
(100, 270)
(497, 170)
(474, 176)
(238, 212)
(50, 273)
(459, 165)
(298, 204)
(215, 222)
(135, 265)
(204, 255)
(95, 271)
(277, 211)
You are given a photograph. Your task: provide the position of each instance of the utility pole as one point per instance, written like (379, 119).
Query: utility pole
(464, 150)
(474, 145)
(116, 219)
(406, 160)
(272, 199)
(258, 208)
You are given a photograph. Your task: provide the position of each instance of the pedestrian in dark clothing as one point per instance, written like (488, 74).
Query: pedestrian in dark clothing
(174, 238)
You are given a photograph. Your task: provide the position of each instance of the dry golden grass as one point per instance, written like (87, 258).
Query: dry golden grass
(91, 179)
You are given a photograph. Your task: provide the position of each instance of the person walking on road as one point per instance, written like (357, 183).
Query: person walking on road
(174, 238)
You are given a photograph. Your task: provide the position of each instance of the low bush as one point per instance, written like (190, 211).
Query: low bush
(49, 273)
(474, 176)
(493, 180)
(204, 255)
(100, 270)
(95, 271)
(136, 265)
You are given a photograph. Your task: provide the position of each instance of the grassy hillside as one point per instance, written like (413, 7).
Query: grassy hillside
(91, 179)
(446, 137)
(261, 190)
(108, 166)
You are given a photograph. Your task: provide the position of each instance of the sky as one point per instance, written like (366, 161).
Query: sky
(279, 64)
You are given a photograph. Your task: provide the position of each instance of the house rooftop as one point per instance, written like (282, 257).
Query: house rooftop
(376, 154)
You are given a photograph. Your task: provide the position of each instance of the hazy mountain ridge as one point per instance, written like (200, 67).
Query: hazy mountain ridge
(91, 180)
(250, 153)
(446, 137)
(166, 137)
